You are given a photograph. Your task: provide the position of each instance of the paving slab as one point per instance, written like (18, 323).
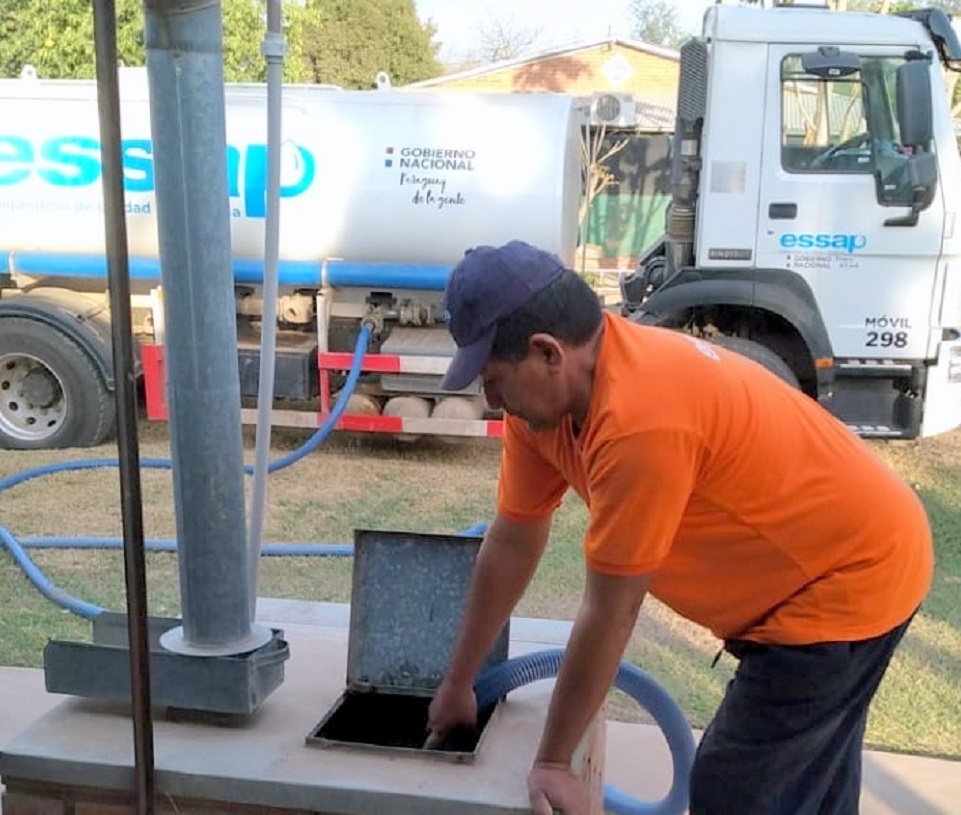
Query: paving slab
(263, 761)
(637, 760)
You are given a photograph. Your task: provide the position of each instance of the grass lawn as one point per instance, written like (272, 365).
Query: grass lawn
(433, 487)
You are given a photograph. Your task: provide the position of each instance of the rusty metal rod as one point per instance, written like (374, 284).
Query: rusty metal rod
(118, 276)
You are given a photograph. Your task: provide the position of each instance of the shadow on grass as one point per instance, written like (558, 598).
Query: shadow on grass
(680, 665)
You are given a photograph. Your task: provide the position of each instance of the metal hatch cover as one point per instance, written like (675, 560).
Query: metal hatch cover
(408, 596)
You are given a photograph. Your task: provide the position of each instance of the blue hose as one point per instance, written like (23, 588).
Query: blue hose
(170, 545)
(514, 673)
(89, 611)
(79, 607)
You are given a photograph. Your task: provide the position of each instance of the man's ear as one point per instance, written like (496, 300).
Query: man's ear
(547, 348)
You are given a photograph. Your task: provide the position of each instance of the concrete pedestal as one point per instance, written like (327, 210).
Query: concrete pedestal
(77, 759)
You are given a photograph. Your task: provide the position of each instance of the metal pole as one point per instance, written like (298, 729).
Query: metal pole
(118, 275)
(273, 49)
(188, 125)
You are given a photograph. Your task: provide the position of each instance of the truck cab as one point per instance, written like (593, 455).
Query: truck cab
(815, 188)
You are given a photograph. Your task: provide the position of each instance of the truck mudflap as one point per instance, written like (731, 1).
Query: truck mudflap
(942, 398)
(329, 362)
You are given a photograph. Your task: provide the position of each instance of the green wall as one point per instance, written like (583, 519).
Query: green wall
(625, 225)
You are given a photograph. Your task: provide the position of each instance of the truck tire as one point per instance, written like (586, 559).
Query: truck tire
(759, 354)
(51, 394)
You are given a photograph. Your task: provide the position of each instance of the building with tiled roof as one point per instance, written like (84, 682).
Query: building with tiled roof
(580, 69)
(640, 81)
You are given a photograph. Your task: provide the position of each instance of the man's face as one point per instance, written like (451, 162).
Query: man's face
(532, 389)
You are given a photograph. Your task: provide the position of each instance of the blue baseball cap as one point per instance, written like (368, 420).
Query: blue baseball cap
(488, 284)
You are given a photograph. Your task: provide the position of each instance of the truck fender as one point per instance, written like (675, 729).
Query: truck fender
(84, 321)
(780, 292)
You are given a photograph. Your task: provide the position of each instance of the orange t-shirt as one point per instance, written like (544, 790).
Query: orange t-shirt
(759, 514)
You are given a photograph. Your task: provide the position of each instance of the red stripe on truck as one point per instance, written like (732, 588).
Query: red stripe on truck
(339, 361)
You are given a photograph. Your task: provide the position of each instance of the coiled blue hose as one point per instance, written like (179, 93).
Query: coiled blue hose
(88, 611)
(514, 673)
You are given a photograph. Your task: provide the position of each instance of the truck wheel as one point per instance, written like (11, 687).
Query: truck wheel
(760, 354)
(51, 395)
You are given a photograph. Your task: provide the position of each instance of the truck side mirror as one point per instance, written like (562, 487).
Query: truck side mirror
(915, 119)
(922, 175)
(916, 124)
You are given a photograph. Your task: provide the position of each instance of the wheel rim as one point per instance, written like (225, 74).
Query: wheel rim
(32, 402)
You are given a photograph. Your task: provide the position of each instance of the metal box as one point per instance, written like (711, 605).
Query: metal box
(407, 601)
(232, 685)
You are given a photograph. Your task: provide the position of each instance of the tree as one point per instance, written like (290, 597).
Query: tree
(656, 23)
(500, 38)
(878, 6)
(951, 7)
(347, 42)
(597, 149)
(244, 27)
(57, 38)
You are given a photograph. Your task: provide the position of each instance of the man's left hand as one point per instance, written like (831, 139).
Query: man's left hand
(555, 788)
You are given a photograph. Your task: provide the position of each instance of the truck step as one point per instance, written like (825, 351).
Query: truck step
(873, 367)
(434, 342)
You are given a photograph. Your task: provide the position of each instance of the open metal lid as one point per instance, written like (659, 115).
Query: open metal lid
(408, 596)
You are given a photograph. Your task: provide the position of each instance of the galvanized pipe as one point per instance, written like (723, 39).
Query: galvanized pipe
(273, 49)
(188, 123)
(124, 374)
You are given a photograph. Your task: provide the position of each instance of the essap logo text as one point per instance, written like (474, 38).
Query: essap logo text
(74, 161)
(847, 242)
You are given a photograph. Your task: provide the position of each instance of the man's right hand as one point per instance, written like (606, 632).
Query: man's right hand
(454, 704)
(505, 563)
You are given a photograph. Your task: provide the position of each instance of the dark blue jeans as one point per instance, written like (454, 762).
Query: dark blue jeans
(787, 738)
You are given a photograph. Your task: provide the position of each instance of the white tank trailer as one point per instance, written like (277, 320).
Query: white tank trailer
(381, 194)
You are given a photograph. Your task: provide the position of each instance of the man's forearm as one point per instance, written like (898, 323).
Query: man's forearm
(502, 571)
(598, 639)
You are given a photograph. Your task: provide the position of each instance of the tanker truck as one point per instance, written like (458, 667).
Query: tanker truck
(381, 194)
(812, 227)
(813, 221)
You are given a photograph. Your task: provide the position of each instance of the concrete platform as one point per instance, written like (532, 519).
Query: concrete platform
(196, 760)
